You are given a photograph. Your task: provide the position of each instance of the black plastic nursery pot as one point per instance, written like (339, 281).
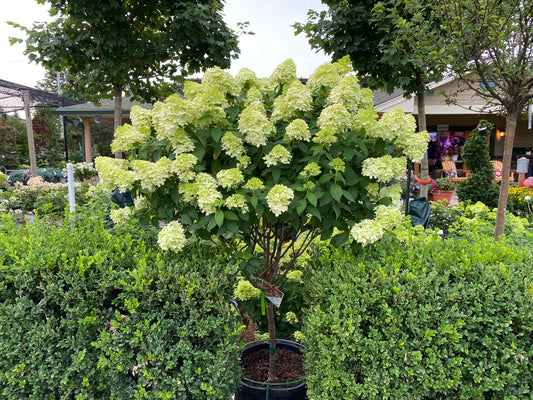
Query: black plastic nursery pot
(272, 391)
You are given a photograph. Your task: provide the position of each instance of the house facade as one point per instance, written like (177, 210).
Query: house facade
(449, 125)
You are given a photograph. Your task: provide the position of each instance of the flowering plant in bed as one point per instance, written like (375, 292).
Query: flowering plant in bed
(265, 166)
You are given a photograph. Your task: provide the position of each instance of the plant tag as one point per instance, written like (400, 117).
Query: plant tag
(273, 294)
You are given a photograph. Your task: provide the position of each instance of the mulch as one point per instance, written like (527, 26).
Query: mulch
(289, 367)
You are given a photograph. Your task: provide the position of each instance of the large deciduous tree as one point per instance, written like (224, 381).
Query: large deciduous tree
(371, 33)
(109, 46)
(488, 44)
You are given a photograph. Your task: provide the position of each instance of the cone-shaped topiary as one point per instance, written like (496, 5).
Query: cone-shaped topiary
(479, 185)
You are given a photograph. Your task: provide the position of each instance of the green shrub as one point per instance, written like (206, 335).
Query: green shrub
(85, 314)
(479, 185)
(432, 320)
(444, 216)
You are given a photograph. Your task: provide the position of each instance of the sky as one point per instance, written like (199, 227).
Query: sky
(274, 40)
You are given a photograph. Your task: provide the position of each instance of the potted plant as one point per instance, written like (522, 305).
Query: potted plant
(263, 167)
(85, 172)
(442, 189)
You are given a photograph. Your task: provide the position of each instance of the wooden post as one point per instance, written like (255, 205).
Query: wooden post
(521, 179)
(87, 140)
(29, 129)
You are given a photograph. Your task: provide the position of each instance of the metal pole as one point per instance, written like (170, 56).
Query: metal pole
(408, 191)
(70, 180)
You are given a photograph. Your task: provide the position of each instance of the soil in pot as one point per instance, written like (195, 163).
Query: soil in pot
(289, 367)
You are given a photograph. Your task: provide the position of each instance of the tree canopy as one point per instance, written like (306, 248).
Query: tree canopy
(371, 33)
(108, 46)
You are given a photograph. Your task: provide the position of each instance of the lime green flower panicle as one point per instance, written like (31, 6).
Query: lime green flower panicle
(219, 79)
(232, 145)
(183, 166)
(208, 197)
(152, 175)
(254, 124)
(347, 93)
(127, 137)
(298, 130)
(279, 198)
(254, 184)
(284, 73)
(384, 168)
(141, 119)
(229, 178)
(246, 291)
(244, 79)
(311, 169)
(335, 117)
(172, 237)
(367, 231)
(388, 216)
(120, 216)
(237, 201)
(278, 155)
(114, 173)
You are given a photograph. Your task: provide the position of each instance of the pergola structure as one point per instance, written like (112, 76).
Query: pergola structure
(15, 97)
(88, 112)
(11, 98)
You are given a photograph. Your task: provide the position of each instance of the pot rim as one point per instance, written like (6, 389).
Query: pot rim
(269, 384)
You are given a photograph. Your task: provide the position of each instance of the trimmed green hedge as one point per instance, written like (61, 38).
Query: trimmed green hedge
(85, 314)
(437, 320)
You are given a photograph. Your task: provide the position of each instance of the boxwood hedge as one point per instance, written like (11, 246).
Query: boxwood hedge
(434, 320)
(86, 314)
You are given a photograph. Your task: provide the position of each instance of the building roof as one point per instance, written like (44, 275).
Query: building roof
(105, 107)
(381, 97)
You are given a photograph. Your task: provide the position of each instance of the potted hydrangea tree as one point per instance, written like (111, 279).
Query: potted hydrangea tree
(266, 166)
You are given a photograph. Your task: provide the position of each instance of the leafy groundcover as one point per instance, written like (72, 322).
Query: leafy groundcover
(89, 314)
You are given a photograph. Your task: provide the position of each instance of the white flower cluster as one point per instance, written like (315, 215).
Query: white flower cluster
(232, 145)
(279, 198)
(183, 166)
(207, 196)
(152, 175)
(385, 168)
(296, 98)
(369, 231)
(335, 117)
(229, 178)
(172, 237)
(254, 124)
(121, 215)
(298, 130)
(237, 201)
(114, 173)
(279, 154)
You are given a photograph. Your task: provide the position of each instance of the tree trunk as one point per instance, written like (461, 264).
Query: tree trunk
(117, 115)
(272, 341)
(510, 129)
(424, 167)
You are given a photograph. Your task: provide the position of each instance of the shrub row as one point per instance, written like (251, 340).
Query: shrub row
(86, 314)
(432, 319)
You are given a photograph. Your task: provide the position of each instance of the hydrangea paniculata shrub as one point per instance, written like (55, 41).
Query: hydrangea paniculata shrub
(267, 162)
